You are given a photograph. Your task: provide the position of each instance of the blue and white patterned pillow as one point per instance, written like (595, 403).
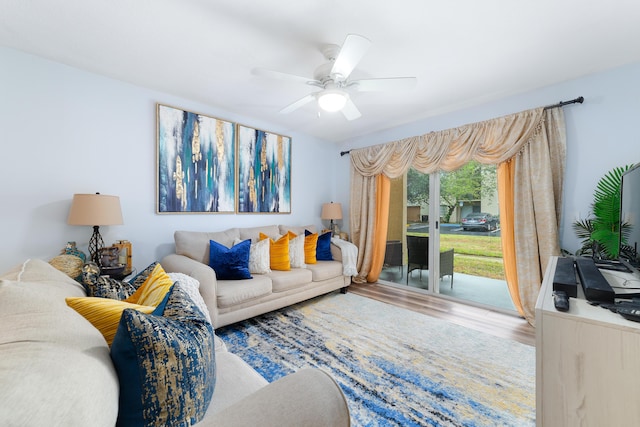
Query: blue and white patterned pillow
(165, 363)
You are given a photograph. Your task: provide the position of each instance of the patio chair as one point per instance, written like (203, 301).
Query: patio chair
(393, 255)
(418, 256)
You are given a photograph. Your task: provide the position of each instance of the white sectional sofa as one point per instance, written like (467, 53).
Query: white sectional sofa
(230, 301)
(56, 369)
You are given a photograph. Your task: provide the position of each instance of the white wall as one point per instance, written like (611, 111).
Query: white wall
(66, 131)
(602, 133)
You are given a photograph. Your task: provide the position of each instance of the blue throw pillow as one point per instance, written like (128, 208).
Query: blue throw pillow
(323, 249)
(230, 263)
(165, 363)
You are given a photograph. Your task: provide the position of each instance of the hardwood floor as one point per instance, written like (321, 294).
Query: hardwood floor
(480, 319)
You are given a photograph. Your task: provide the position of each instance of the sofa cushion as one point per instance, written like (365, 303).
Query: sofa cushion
(166, 364)
(259, 261)
(324, 270)
(296, 250)
(253, 233)
(310, 247)
(104, 313)
(191, 287)
(284, 229)
(285, 280)
(278, 252)
(230, 263)
(235, 380)
(233, 292)
(323, 250)
(52, 361)
(154, 288)
(106, 287)
(141, 277)
(51, 280)
(195, 244)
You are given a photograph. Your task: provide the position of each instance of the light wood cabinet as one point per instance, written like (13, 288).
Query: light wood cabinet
(587, 363)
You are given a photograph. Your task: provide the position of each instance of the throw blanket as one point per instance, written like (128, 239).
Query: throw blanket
(349, 256)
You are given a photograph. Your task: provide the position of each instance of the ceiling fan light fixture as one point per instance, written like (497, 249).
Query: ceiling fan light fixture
(332, 100)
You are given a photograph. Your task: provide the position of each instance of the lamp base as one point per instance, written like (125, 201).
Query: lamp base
(95, 244)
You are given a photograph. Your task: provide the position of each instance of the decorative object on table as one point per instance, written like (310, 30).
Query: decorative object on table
(332, 211)
(71, 249)
(71, 265)
(95, 210)
(196, 163)
(264, 171)
(90, 273)
(109, 261)
(124, 247)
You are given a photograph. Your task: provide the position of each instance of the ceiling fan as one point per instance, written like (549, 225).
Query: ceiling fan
(332, 78)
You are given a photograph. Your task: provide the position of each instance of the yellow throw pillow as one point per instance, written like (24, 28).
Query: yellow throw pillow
(153, 289)
(104, 313)
(310, 245)
(278, 252)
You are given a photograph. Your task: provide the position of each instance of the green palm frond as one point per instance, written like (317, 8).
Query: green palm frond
(605, 225)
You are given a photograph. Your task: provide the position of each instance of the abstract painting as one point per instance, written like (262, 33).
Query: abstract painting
(264, 171)
(196, 162)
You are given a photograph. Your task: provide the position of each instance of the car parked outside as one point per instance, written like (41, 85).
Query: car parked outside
(479, 220)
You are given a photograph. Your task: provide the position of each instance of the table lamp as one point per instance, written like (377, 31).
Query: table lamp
(95, 210)
(332, 211)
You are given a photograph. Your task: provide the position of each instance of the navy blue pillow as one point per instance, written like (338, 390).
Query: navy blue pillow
(230, 263)
(166, 364)
(323, 249)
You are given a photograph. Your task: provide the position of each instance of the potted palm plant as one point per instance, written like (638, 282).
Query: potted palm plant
(601, 232)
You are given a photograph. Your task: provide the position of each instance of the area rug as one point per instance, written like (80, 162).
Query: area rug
(396, 367)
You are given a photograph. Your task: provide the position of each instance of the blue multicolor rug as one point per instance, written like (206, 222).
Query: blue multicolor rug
(396, 367)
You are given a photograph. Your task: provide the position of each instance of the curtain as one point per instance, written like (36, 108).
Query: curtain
(535, 139)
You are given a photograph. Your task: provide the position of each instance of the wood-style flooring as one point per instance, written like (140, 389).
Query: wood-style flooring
(476, 318)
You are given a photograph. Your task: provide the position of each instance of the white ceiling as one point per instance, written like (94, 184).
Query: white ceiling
(463, 52)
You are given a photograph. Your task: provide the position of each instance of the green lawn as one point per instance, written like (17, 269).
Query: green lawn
(474, 255)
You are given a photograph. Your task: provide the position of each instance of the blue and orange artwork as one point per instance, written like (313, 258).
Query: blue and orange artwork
(264, 171)
(196, 162)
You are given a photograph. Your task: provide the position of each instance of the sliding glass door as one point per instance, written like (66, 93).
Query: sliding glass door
(444, 235)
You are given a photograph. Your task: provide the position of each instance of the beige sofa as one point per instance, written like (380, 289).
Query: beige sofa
(56, 370)
(230, 301)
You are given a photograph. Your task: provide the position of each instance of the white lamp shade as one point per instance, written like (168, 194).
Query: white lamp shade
(95, 209)
(332, 100)
(331, 211)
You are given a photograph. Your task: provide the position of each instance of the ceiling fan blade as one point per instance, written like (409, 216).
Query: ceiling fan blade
(384, 84)
(350, 110)
(352, 51)
(299, 103)
(263, 72)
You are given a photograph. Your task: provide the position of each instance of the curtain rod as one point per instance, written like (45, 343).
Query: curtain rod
(578, 100)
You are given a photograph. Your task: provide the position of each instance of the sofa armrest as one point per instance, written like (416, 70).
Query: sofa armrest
(336, 252)
(204, 274)
(309, 397)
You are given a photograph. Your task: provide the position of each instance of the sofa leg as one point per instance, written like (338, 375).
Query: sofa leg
(343, 290)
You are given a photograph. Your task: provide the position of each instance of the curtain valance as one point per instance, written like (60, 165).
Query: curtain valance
(489, 142)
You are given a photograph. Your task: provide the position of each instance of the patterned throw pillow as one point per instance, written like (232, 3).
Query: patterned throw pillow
(278, 252)
(310, 247)
(230, 263)
(259, 262)
(296, 250)
(154, 288)
(106, 287)
(165, 363)
(104, 313)
(140, 278)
